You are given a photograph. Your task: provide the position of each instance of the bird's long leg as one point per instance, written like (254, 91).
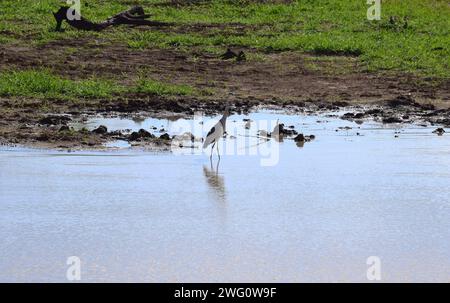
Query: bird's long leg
(212, 148)
(217, 146)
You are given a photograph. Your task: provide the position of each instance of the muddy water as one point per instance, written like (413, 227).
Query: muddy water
(317, 214)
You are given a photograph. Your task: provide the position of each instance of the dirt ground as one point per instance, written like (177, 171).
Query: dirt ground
(284, 76)
(279, 79)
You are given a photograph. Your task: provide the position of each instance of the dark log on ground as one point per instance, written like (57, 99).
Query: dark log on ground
(133, 16)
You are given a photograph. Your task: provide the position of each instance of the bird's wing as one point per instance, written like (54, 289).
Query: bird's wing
(213, 135)
(211, 131)
(209, 137)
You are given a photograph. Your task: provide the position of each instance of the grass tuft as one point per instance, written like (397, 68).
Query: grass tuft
(43, 84)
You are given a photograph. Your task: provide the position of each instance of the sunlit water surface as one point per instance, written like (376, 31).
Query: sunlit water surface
(315, 214)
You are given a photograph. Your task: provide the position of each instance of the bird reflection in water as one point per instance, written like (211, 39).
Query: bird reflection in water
(215, 181)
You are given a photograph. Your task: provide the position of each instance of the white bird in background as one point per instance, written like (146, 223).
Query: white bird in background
(276, 130)
(216, 133)
(275, 133)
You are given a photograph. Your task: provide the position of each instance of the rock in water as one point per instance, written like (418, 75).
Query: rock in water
(141, 134)
(440, 131)
(165, 136)
(287, 132)
(100, 130)
(303, 138)
(299, 138)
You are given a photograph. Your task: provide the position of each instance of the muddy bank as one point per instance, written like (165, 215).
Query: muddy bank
(25, 122)
(292, 76)
(279, 80)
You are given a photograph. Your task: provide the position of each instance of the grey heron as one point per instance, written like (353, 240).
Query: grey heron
(216, 133)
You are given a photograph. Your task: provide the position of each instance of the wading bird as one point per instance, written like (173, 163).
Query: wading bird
(276, 130)
(216, 133)
(275, 133)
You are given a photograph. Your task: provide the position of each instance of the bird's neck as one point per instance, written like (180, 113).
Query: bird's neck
(223, 120)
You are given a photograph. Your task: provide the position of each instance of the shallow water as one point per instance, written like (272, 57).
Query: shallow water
(315, 214)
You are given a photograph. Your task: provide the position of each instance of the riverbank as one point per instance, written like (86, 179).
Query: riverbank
(310, 57)
(29, 126)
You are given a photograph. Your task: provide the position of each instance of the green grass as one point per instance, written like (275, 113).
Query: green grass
(44, 84)
(319, 27)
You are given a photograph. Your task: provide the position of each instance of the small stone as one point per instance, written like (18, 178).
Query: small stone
(287, 132)
(299, 138)
(141, 134)
(440, 131)
(165, 136)
(100, 130)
